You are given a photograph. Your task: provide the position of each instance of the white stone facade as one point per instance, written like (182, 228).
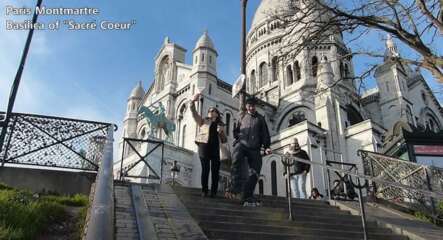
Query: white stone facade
(331, 121)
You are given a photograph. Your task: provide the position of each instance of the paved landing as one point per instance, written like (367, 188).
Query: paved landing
(165, 216)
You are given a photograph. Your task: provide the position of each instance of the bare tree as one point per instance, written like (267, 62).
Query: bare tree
(417, 24)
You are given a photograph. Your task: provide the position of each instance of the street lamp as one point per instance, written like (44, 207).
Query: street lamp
(244, 4)
(175, 169)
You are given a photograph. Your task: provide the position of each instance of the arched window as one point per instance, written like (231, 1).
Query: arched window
(296, 117)
(203, 58)
(260, 187)
(228, 123)
(163, 73)
(432, 124)
(210, 89)
(143, 134)
(289, 75)
(183, 136)
(210, 59)
(342, 70)
(274, 178)
(423, 96)
(314, 64)
(409, 116)
(354, 116)
(297, 71)
(252, 79)
(196, 59)
(274, 69)
(346, 71)
(263, 74)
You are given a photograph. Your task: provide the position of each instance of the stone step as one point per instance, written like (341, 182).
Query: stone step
(297, 208)
(345, 225)
(267, 202)
(294, 229)
(222, 218)
(125, 220)
(255, 212)
(217, 233)
(197, 191)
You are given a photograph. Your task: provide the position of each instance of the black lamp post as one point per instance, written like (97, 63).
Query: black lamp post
(4, 122)
(244, 4)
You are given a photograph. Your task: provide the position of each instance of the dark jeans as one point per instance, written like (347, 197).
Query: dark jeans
(213, 164)
(254, 160)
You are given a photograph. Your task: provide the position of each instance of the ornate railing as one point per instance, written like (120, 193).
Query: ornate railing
(416, 177)
(53, 142)
(340, 185)
(144, 157)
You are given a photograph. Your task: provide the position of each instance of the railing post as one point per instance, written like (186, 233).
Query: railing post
(327, 177)
(289, 193)
(121, 162)
(101, 221)
(374, 185)
(161, 163)
(429, 185)
(286, 162)
(5, 156)
(362, 209)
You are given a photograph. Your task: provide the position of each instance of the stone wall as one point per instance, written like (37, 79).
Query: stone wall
(38, 180)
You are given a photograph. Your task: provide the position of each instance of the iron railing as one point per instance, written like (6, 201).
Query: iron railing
(402, 186)
(53, 142)
(340, 186)
(131, 145)
(417, 177)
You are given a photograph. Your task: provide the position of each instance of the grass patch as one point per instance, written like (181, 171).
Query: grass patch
(24, 215)
(77, 200)
(81, 220)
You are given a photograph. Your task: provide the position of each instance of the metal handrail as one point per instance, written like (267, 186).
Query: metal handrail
(416, 176)
(102, 208)
(288, 164)
(369, 178)
(290, 160)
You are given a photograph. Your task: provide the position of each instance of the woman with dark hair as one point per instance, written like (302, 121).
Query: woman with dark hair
(209, 137)
(315, 194)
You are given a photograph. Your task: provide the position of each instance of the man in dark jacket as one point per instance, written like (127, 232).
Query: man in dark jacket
(251, 134)
(299, 170)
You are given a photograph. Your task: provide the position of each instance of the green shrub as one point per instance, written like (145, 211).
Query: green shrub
(422, 216)
(81, 220)
(77, 200)
(10, 233)
(5, 187)
(23, 217)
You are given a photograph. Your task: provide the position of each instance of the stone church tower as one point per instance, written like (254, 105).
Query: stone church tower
(392, 81)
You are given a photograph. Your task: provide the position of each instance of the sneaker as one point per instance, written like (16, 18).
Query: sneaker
(251, 202)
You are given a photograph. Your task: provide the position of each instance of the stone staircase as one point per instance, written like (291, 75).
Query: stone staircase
(183, 212)
(220, 218)
(124, 213)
